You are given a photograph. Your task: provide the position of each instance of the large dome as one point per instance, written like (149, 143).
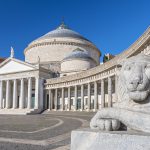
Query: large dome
(56, 44)
(62, 31)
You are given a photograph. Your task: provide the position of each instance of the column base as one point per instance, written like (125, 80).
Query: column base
(94, 110)
(68, 109)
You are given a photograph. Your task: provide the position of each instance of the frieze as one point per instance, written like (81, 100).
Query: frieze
(60, 43)
(91, 79)
(19, 75)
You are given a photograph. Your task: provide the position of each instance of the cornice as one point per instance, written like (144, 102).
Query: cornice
(62, 43)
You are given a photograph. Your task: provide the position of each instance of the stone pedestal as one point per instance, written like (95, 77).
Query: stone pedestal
(87, 139)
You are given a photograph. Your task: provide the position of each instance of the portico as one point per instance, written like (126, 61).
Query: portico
(18, 93)
(21, 87)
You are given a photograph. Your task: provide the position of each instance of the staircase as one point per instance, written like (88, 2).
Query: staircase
(19, 111)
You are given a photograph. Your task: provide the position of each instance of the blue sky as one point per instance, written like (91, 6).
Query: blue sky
(112, 25)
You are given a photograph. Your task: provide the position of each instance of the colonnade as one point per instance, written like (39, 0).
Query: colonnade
(19, 93)
(59, 98)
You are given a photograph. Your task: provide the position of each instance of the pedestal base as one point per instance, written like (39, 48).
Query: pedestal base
(88, 139)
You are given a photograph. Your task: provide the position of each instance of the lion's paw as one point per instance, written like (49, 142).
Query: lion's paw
(105, 124)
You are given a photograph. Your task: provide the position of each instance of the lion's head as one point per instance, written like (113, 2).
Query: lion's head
(134, 79)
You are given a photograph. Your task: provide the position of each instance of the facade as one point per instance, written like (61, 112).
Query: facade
(62, 72)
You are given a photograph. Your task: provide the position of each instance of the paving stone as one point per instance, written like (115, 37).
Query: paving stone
(49, 139)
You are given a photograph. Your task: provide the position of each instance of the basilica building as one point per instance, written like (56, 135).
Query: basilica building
(62, 72)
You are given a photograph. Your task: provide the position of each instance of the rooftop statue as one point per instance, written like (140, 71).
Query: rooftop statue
(133, 92)
(11, 52)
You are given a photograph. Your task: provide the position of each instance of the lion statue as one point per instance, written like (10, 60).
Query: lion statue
(133, 91)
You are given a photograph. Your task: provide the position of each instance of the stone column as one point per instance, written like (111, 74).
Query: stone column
(102, 94)
(75, 96)
(21, 103)
(109, 92)
(89, 96)
(116, 82)
(56, 96)
(45, 99)
(82, 97)
(36, 105)
(69, 99)
(95, 96)
(50, 99)
(63, 99)
(38, 93)
(29, 93)
(15, 95)
(7, 94)
(1, 94)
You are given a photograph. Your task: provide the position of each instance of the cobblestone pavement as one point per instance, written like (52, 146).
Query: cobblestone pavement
(48, 131)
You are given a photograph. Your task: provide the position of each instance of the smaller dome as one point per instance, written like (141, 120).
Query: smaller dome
(78, 60)
(78, 53)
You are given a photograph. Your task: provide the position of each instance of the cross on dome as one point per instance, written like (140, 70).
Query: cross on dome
(63, 25)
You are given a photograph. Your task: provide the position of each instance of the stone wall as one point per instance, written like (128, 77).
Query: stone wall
(57, 50)
(76, 65)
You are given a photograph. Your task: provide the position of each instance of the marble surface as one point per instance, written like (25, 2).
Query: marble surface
(133, 92)
(88, 139)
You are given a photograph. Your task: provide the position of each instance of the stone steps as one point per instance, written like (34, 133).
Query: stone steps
(19, 111)
(60, 112)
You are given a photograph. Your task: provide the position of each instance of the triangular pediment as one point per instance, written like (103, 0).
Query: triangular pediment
(12, 65)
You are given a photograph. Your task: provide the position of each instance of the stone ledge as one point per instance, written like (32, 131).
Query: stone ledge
(87, 139)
